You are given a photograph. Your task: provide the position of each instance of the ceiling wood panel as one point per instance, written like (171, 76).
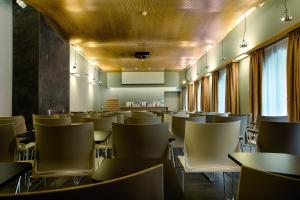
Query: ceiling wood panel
(175, 32)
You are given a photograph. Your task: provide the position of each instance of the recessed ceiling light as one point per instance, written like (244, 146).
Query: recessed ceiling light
(144, 13)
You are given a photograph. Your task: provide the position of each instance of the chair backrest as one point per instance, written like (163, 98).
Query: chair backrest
(8, 143)
(18, 121)
(178, 125)
(249, 117)
(143, 120)
(146, 184)
(279, 137)
(142, 114)
(242, 119)
(64, 150)
(102, 123)
(255, 184)
(210, 143)
(79, 118)
(211, 116)
(168, 119)
(53, 121)
(140, 141)
(270, 119)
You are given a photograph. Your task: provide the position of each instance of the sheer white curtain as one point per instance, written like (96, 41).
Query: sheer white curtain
(199, 97)
(221, 90)
(274, 83)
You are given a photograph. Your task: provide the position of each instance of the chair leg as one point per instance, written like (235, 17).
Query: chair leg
(182, 179)
(173, 158)
(18, 187)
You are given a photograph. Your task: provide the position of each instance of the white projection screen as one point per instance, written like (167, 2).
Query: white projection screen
(143, 78)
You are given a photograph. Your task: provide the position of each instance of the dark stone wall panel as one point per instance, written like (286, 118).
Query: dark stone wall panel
(25, 61)
(53, 71)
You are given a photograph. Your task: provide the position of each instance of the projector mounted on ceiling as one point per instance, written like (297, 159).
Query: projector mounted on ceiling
(142, 54)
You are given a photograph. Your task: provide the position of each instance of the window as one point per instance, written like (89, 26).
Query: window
(199, 97)
(274, 88)
(221, 91)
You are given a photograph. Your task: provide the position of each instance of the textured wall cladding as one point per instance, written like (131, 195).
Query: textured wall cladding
(53, 71)
(25, 61)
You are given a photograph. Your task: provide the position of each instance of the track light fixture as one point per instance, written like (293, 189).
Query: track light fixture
(21, 3)
(286, 15)
(244, 43)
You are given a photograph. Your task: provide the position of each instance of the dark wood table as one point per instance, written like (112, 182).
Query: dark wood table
(114, 168)
(11, 170)
(279, 163)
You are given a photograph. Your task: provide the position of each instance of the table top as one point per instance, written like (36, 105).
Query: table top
(114, 168)
(11, 170)
(101, 136)
(284, 164)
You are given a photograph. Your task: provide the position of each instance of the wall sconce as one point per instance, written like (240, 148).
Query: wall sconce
(244, 43)
(286, 15)
(184, 82)
(75, 67)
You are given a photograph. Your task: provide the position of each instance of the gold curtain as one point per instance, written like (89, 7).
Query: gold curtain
(255, 101)
(215, 79)
(232, 102)
(293, 76)
(196, 86)
(205, 106)
(191, 103)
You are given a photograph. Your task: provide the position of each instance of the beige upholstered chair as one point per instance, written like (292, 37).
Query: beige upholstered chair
(146, 184)
(207, 146)
(255, 184)
(34, 117)
(243, 126)
(279, 137)
(64, 150)
(53, 121)
(253, 131)
(102, 124)
(8, 143)
(20, 128)
(143, 120)
(140, 141)
(178, 128)
(65, 115)
(79, 118)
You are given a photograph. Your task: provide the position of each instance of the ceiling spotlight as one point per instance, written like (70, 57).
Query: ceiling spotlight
(184, 82)
(21, 3)
(144, 13)
(286, 15)
(244, 43)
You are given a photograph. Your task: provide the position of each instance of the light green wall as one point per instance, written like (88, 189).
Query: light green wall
(6, 57)
(83, 95)
(113, 88)
(114, 80)
(262, 24)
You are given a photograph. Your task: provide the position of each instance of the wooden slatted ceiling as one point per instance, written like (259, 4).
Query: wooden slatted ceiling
(175, 32)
